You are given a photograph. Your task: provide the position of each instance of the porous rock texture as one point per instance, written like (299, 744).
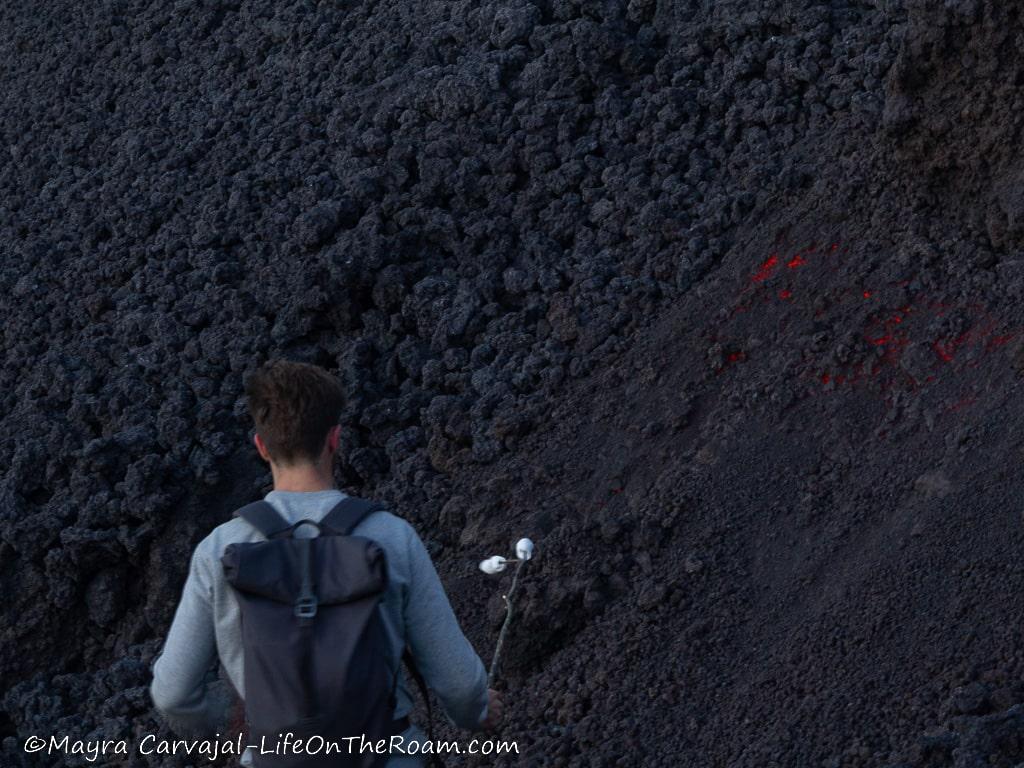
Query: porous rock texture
(717, 301)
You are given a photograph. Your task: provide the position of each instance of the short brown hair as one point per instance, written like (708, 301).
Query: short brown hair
(294, 406)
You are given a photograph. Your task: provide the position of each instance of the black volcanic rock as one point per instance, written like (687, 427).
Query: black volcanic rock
(719, 302)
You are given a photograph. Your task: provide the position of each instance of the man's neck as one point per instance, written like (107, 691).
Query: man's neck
(302, 478)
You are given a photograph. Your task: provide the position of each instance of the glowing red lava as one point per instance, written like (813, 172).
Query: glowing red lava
(766, 269)
(890, 330)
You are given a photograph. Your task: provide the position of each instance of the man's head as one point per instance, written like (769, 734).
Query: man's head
(296, 408)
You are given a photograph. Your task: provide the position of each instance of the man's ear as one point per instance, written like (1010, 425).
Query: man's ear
(333, 438)
(261, 447)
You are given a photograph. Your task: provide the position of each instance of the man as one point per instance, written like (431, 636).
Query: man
(295, 407)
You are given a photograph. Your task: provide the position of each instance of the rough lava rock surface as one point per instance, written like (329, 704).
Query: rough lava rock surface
(719, 302)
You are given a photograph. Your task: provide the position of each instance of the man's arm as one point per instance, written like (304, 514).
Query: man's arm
(179, 690)
(444, 656)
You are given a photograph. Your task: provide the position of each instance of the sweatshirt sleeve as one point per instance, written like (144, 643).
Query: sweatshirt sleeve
(179, 689)
(444, 656)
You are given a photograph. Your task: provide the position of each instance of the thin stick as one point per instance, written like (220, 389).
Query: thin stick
(492, 675)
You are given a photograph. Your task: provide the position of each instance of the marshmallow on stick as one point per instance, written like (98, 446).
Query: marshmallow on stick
(497, 564)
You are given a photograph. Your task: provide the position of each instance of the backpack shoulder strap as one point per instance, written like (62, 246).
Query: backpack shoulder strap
(348, 513)
(264, 518)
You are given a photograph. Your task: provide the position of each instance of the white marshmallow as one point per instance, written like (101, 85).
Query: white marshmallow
(524, 549)
(494, 564)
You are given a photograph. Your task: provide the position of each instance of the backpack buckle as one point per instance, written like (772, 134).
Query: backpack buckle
(305, 607)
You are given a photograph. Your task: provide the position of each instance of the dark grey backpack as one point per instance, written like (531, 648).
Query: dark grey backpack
(313, 638)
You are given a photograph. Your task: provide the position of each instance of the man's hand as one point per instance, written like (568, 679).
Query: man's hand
(495, 710)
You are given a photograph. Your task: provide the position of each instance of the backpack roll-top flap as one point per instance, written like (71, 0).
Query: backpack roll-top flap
(345, 568)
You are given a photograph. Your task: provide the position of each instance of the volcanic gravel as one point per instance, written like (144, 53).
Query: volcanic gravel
(718, 302)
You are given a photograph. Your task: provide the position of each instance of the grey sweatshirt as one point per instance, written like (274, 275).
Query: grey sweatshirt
(415, 610)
